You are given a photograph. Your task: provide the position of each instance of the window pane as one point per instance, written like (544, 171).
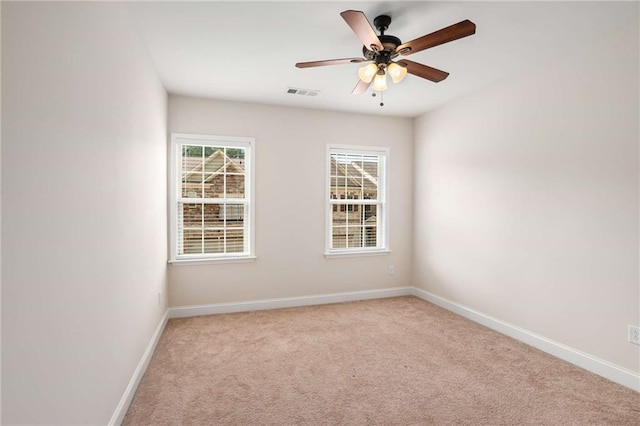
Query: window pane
(339, 239)
(354, 214)
(354, 234)
(235, 186)
(338, 173)
(370, 214)
(214, 160)
(338, 162)
(192, 185)
(355, 170)
(369, 191)
(335, 184)
(215, 186)
(192, 151)
(214, 241)
(370, 236)
(370, 166)
(370, 194)
(192, 241)
(191, 166)
(213, 216)
(191, 215)
(234, 215)
(370, 177)
(370, 226)
(235, 240)
(208, 187)
(339, 217)
(237, 155)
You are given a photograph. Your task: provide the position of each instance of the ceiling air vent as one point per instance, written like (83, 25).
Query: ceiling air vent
(302, 92)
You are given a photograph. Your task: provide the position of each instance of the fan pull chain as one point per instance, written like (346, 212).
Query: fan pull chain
(373, 95)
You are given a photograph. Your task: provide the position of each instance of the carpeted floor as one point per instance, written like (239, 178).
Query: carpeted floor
(398, 361)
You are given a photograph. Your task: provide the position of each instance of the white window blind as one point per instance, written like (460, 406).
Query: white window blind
(211, 197)
(356, 200)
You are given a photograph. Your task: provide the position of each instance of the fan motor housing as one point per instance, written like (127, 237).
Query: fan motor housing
(389, 43)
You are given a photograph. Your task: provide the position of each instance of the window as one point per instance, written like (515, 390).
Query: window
(356, 200)
(211, 198)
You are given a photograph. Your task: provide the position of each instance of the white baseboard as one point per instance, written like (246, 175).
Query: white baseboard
(288, 302)
(588, 362)
(125, 401)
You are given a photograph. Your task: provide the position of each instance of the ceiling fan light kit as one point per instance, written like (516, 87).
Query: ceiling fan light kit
(380, 81)
(367, 72)
(397, 71)
(381, 50)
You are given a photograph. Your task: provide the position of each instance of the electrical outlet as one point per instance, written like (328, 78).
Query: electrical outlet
(392, 270)
(159, 298)
(634, 334)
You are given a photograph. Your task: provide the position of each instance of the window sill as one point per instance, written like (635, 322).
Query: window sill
(212, 261)
(359, 253)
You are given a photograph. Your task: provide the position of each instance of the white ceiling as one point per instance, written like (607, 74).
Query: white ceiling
(246, 51)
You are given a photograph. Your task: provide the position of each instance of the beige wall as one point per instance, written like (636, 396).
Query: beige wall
(526, 199)
(83, 210)
(290, 152)
(525, 205)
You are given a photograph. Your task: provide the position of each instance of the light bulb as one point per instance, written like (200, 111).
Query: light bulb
(397, 72)
(380, 81)
(367, 72)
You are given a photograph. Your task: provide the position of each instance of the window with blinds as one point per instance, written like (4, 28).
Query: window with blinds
(212, 200)
(356, 200)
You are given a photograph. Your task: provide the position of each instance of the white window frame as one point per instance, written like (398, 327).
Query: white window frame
(382, 213)
(175, 194)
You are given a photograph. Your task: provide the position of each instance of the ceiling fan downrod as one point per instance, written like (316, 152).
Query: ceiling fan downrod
(382, 23)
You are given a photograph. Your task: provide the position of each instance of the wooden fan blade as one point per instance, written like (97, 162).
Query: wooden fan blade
(361, 87)
(361, 26)
(424, 71)
(461, 29)
(330, 62)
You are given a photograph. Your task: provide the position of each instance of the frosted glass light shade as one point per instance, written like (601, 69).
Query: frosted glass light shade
(397, 72)
(367, 72)
(380, 81)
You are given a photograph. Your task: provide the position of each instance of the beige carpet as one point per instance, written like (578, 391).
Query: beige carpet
(398, 361)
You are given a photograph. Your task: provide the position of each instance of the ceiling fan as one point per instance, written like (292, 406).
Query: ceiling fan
(380, 51)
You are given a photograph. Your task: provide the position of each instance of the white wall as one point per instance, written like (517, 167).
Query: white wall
(526, 199)
(290, 177)
(84, 209)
